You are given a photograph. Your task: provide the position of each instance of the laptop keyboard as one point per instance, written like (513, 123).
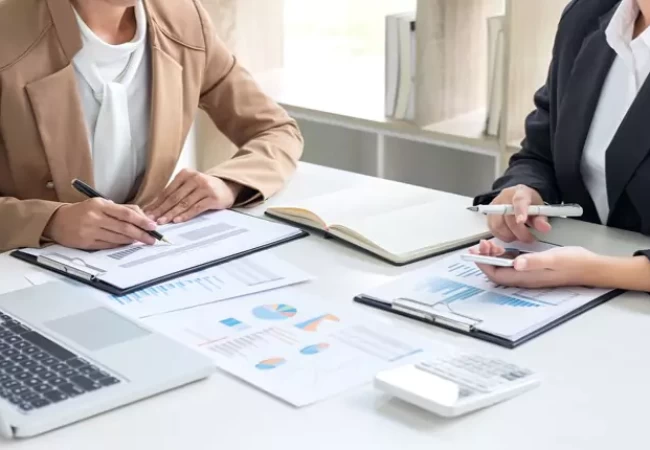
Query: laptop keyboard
(36, 372)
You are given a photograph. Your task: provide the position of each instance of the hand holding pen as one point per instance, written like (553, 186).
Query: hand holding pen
(98, 224)
(511, 214)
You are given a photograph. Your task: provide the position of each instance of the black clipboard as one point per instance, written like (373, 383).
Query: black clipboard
(107, 287)
(482, 335)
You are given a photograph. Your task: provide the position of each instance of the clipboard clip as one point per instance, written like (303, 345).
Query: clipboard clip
(429, 312)
(70, 266)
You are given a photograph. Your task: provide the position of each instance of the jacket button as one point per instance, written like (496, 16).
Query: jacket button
(49, 185)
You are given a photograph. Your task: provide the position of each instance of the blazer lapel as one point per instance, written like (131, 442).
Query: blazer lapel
(62, 127)
(576, 112)
(166, 123)
(57, 108)
(629, 147)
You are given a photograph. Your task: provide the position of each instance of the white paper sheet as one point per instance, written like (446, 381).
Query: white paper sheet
(295, 347)
(452, 286)
(206, 238)
(255, 273)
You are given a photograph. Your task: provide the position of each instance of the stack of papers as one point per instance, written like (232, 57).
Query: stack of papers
(249, 275)
(291, 345)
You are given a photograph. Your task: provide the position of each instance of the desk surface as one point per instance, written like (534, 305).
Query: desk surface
(594, 369)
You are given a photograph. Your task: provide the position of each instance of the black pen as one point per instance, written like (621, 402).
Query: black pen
(89, 192)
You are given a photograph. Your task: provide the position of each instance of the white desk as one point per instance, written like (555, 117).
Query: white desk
(596, 382)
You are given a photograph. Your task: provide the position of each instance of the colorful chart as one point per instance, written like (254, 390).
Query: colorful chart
(234, 323)
(270, 364)
(315, 349)
(450, 291)
(274, 312)
(313, 324)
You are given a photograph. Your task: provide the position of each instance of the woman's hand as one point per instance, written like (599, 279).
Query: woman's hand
(98, 224)
(562, 266)
(190, 194)
(513, 227)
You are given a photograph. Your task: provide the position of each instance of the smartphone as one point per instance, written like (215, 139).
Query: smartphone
(505, 260)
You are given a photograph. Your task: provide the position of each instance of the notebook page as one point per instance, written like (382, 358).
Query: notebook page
(424, 226)
(364, 202)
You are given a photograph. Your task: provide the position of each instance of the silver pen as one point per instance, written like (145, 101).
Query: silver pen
(566, 210)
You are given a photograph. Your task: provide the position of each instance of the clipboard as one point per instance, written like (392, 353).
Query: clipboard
(92, 276)
(468, 326)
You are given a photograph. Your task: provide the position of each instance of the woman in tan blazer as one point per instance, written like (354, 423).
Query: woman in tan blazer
(106, 91)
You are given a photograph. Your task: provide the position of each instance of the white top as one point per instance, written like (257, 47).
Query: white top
(594, 391)
(114, 83)
(626, 76)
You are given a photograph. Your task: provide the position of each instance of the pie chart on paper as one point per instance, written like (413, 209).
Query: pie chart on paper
(315, 349)
(278, 311)
(270, 364)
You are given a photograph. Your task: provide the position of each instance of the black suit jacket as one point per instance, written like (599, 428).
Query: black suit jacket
(556, 131)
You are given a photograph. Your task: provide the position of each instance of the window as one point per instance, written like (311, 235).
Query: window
(323, 32)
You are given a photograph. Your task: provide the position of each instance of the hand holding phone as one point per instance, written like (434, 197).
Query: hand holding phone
(506, 259)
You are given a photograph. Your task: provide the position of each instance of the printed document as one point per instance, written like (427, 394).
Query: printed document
(248, 275)
(452, 287)
(204, 239)
(296, 347)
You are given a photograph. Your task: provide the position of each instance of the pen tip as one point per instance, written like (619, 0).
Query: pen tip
(167, 241)
(472, 208)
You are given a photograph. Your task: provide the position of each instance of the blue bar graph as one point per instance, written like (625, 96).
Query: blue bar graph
(504, 300)
(451, 291)
(208, 283)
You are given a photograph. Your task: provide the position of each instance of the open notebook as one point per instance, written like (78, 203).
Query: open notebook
(397, 222)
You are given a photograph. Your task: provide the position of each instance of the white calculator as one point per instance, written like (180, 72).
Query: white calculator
(457, 383)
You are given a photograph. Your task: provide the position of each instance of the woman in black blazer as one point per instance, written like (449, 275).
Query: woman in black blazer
(587, 142)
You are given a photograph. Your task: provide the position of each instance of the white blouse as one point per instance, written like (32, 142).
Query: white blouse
(626, 77)
(114, 84)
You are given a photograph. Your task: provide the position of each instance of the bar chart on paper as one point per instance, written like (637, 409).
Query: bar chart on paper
(466, 283)
(449, 291)
(255, 273)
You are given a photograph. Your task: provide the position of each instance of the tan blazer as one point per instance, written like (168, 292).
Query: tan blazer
(43, 139)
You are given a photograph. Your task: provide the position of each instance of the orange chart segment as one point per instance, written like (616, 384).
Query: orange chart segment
(313, 324)
(270, 364)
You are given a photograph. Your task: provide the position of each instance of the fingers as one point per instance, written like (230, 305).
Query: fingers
(126, 229)
(521, 201)
(494, 249)
(500, 229)
(487, 248)
(199, 208)
(519, 230)
(185, 205)
(540, 223)
(129, 216)
(536, 262)
(113, 238)
(178, 198)
(155, 208)
(489, 271)
(505, 276)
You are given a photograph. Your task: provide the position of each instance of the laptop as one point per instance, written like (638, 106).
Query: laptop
(65, 356)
